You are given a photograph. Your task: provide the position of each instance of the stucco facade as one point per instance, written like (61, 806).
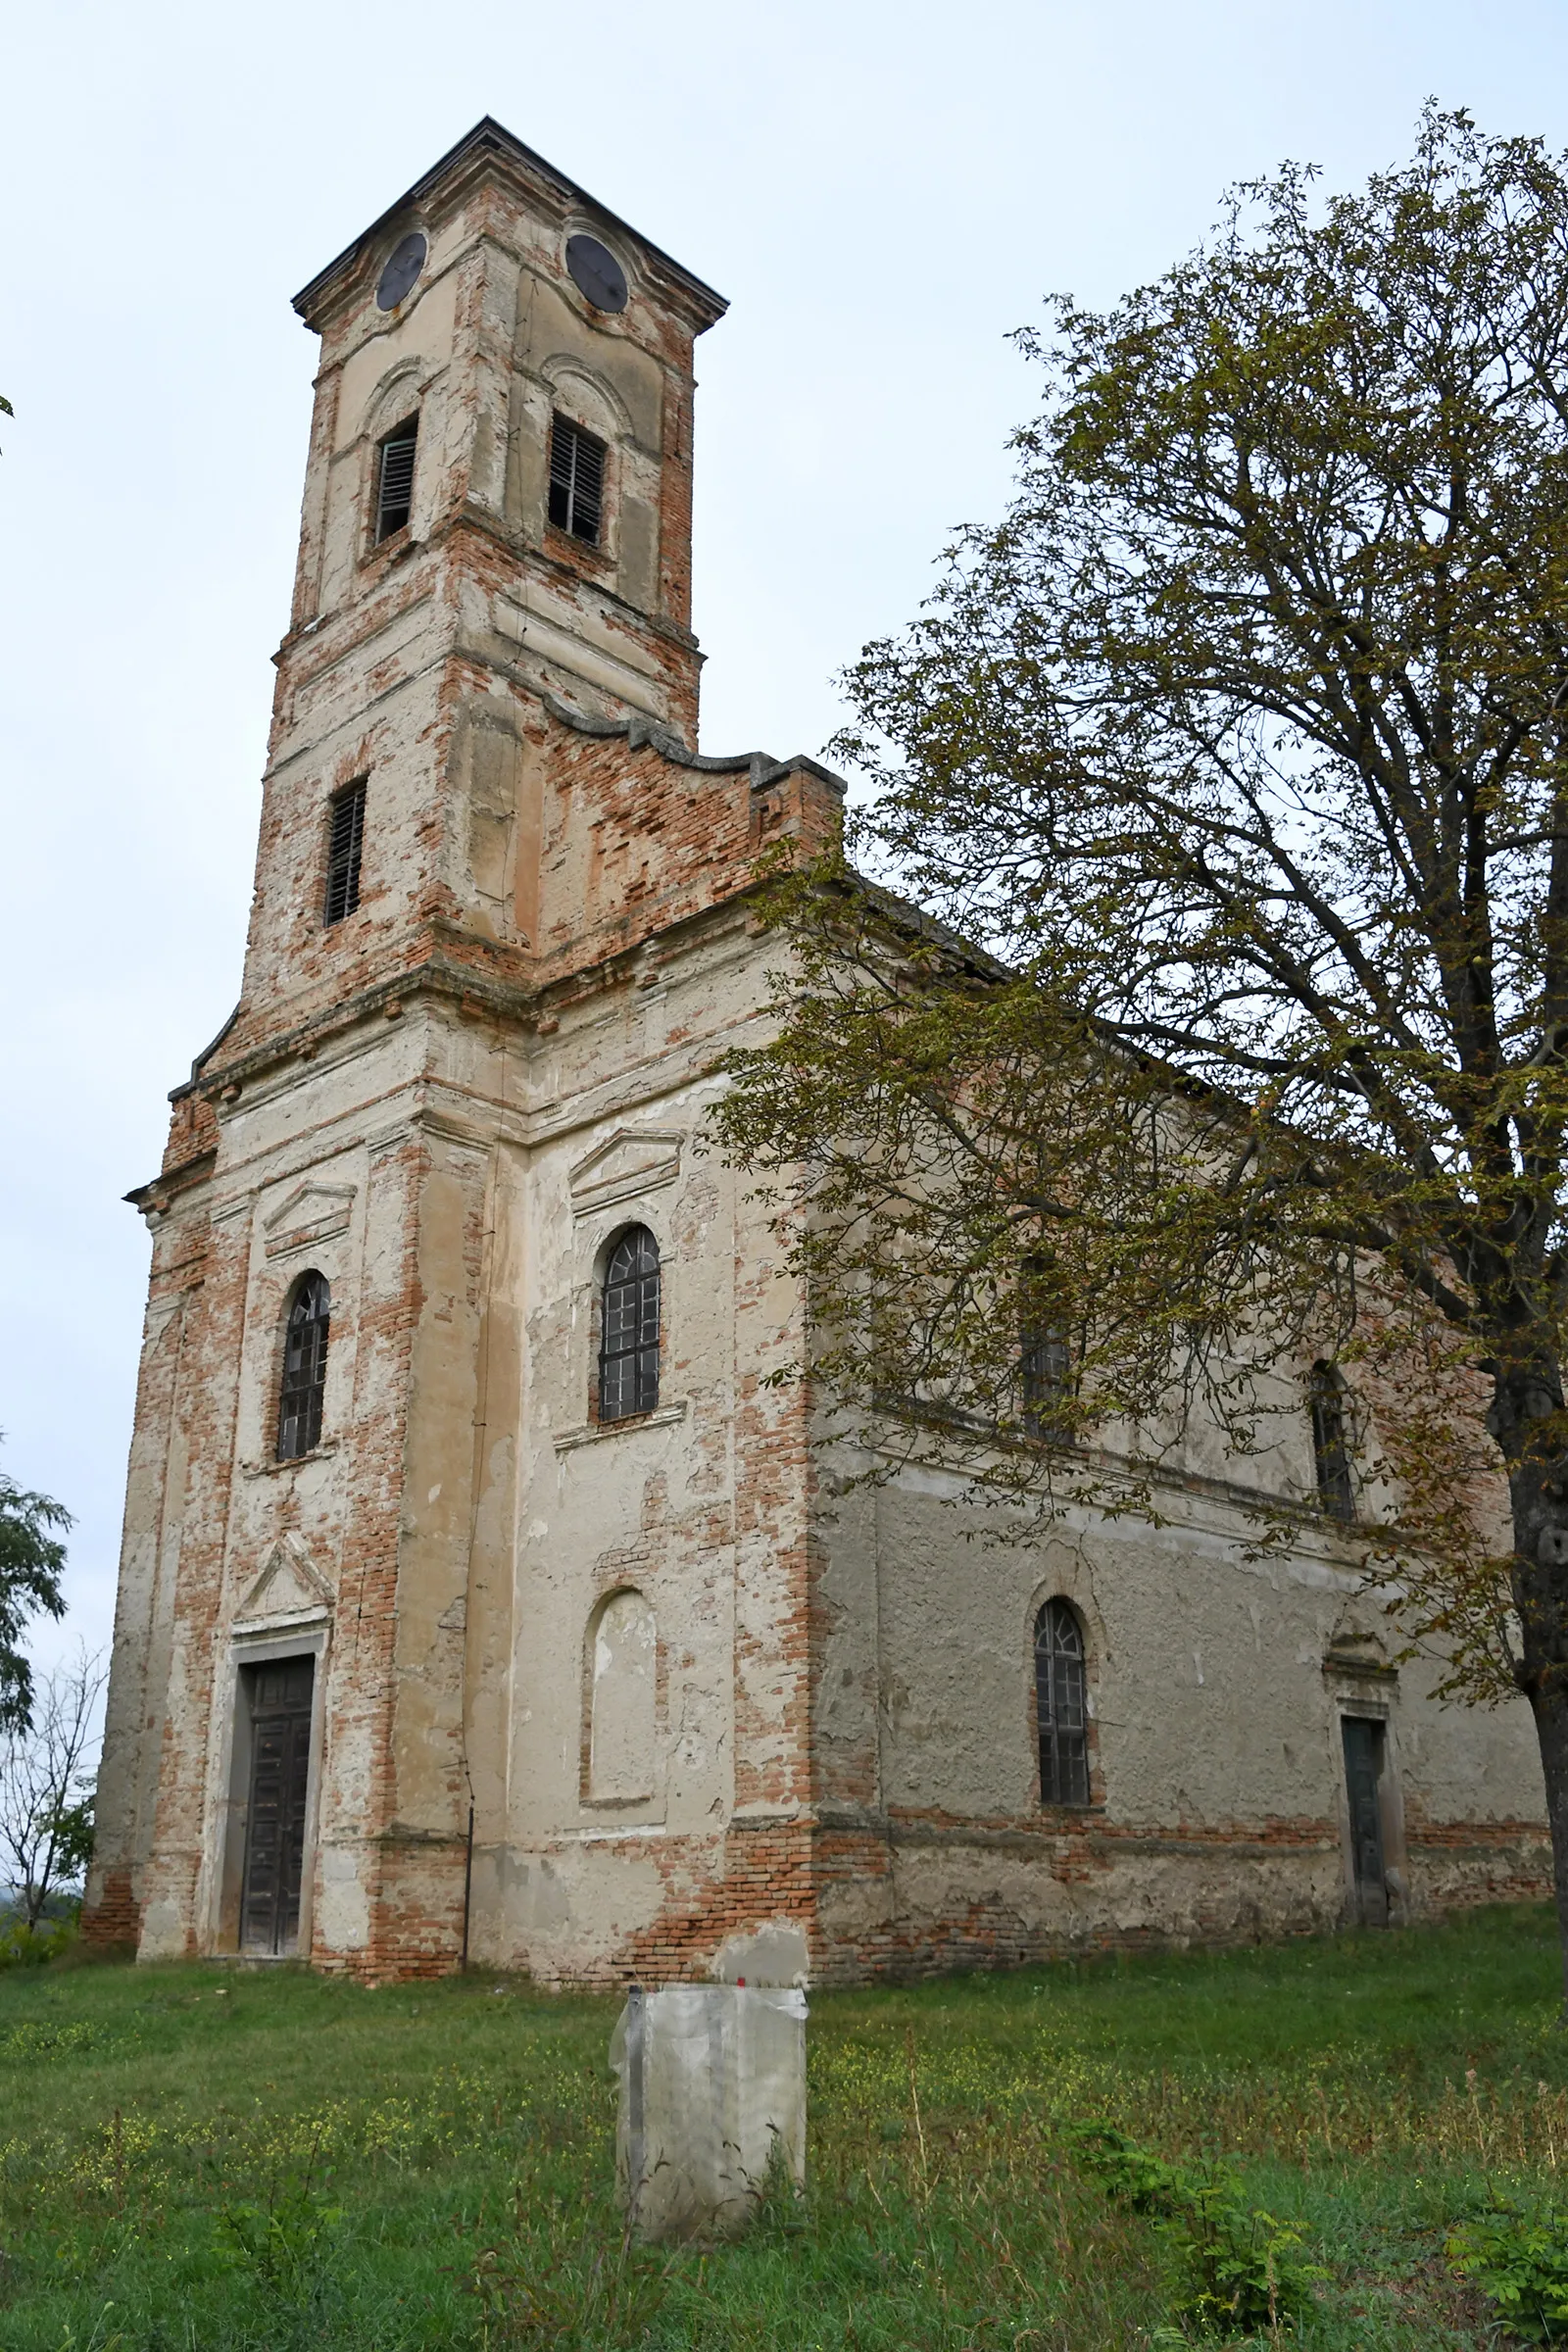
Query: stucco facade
(648, 1697)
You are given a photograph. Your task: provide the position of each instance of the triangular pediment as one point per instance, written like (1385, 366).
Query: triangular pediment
(632, 1161)
(289, 1586)
(311, 1212)
(1358, 1645)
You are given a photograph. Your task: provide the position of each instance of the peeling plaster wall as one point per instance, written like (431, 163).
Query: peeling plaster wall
(1218, 1685)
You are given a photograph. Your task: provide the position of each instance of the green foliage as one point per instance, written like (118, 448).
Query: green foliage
(25, 1947)
(1239, 2270)
(1221, 1021)
(30, 1563)
(286, 2243)
(1520, 2263)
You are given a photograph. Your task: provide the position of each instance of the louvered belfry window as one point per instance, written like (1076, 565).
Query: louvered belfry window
(1061, 1704)
(345, 838)
(394, 481)
(304, 1384)
(1335, 1484)
(577, 480)
(628, 1335)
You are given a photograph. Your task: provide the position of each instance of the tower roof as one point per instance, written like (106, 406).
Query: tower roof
(490, 138)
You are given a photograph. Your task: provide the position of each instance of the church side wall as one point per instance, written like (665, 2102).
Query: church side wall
(1217, 1687)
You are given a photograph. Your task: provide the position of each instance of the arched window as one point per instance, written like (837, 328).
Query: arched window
(628, 1328)
(1061, 1706)
(1331, 1452)
(299, 1405)
(1044, 1367)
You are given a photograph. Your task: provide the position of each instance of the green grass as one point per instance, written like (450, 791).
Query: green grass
(212, 2159)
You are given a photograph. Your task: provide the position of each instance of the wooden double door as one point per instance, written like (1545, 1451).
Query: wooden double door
(278, 1698)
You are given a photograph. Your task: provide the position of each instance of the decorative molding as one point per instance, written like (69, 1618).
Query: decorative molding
(313, 1213)
(596, 1431)
(290, 1586)
(631, 1161)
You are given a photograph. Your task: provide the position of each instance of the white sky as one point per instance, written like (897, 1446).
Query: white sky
(882, 190)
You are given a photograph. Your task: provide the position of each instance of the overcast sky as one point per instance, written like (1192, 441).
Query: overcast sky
(883, 191)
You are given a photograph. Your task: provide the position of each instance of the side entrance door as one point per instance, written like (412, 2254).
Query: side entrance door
(1363, 1775)
(274, 1823)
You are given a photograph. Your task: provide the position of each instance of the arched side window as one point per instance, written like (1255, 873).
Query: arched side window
(1061, 1706)
(1044, 1370)
(628, 1328)
(1331, 1451)
(304, 1382)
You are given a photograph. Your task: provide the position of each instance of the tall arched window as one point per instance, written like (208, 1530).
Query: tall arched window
(1061, 1706)
(299, 1403)
(1331, 1452)
(628, 1328)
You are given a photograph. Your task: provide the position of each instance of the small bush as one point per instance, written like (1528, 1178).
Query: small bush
(1239, 2271)
(1520, 2263)
(22, 1946)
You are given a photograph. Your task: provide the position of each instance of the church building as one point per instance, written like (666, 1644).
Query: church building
(482, 1597)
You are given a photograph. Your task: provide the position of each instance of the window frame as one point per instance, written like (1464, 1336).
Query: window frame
(581, 436)
(1055, 1785)
(605, 1355)
(1333, 1463)
(353, 795)
(404, 431)
(308, 1389)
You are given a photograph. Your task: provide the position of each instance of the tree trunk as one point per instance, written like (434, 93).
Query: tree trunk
(1528, 1422)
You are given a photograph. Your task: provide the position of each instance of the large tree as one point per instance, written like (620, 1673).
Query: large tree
(1229, 777)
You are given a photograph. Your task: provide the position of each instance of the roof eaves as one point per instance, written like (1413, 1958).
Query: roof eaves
(487, 132)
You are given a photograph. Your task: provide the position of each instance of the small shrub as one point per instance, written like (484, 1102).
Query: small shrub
(1239, 2270)
(285, 2243)
(22, 1946)
(1520, 2263)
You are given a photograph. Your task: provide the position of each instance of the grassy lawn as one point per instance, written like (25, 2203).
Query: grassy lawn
(206, 2159)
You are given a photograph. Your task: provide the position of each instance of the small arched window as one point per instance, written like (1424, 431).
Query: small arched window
(628, 1328)
(1330, 1449)
(304, 1383)
(1061, 1706)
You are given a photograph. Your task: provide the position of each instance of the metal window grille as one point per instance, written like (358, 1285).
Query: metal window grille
(629, 1336)
(577, 480)
(345, 837)
(394, 486)
(1331, 1451)
(1061, 1706)
(299, 1405)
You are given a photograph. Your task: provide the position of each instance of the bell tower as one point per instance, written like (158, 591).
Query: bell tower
(497, 516)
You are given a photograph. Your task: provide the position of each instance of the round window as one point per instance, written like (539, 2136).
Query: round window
(403, 266)
(596, 273)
